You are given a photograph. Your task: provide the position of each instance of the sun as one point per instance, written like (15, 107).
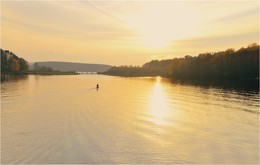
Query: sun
(154, 28)
(155, 42)
(158, 25)
(154, 36)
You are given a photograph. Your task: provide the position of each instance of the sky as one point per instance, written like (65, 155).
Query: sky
(125, 32)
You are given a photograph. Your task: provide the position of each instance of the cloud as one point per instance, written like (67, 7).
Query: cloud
(71, 20)
(218, 40)
(113, 31)
(238, 16)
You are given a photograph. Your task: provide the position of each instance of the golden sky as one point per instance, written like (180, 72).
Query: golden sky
(125, 32)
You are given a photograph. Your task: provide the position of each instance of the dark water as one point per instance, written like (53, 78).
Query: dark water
(65, 119)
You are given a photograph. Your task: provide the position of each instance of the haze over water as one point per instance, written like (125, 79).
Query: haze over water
(65, 119)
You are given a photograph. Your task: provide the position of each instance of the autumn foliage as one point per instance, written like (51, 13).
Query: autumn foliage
(12, 63)
(229, 64)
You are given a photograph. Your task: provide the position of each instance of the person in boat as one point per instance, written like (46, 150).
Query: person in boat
(97, 86)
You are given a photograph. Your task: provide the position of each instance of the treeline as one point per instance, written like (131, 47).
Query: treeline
(229, 64)
(153, 68)
(12, 63)
(45, 70)
(130, 71)
(41, 68)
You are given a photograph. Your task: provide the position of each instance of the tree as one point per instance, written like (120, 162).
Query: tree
(12, 63)
(15, 66)
(228, 64)
(23, 64)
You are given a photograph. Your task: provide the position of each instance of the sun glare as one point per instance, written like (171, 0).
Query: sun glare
(158, 28)
(154, 29)
(158, 105)
(154, 41)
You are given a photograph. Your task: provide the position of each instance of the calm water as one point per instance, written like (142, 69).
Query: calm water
(64, 119)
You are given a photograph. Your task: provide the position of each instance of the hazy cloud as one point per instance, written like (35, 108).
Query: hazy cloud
(119, 32)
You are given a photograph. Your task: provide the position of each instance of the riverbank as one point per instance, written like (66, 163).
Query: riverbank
(232, 65)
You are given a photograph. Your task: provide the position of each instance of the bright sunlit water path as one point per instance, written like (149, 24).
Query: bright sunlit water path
(64, 119)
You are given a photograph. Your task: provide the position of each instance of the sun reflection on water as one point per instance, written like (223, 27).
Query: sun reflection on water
(158, 108)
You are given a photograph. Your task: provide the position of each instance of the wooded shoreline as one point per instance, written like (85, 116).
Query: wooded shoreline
(231, 65)
(242, 64)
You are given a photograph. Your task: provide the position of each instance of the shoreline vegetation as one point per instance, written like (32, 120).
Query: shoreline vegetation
(11, 64)
(231, 65)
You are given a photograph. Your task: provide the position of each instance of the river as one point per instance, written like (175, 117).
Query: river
(65, 119)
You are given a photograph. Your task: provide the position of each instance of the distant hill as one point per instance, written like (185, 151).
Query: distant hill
(70, 66)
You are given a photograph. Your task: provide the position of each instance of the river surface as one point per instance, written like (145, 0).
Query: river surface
(65, 119)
